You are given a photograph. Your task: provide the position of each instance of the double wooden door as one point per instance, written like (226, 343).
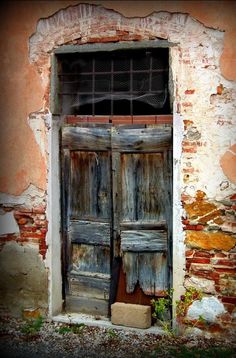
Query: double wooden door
(116, 202)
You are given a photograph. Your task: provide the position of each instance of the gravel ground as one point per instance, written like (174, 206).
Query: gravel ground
(19, 339)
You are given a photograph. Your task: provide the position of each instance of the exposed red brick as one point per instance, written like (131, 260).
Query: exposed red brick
(225, 318)
(188, 170)
(187, 104)
(229, 299)
(144, 119)
(164, 118)
(189, 91)
(187, 123)
(122, 32)
(33, 235)
(219, 89)
(230, 271)
(122, 120)
(194, 227)
(220, 255)
(39, 210)
(189, 253)
(227, 263)
(28, 229)
(43, 230)
(202, 260)
(192, 149)
(22, 221)
(215, 328)
(229, 307)
(99, 119)
(209, 274)
(103, 39)
(202, 254)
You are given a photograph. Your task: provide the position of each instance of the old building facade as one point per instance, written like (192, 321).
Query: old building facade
(202, 202)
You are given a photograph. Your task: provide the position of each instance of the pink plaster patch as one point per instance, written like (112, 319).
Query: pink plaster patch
(228, 163)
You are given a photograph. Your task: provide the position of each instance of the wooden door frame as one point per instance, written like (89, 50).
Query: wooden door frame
(54, 193)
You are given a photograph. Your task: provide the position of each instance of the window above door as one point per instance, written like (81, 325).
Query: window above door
(122, 82)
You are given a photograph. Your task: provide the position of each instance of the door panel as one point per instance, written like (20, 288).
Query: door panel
(90, 185)
(147, 268)
(143, 187)
(116, 203)
(88, 224)
(143, 203)
(90, 259)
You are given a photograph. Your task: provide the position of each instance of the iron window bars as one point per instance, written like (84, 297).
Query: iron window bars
(130, 82)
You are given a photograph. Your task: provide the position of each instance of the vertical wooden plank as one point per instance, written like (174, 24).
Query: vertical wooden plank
(90, 259)
(90, 181)
(153, 272)
(131, 269)
(65, 210)
(116, 201)
(128, 185)
(143, 187)
(168, 178)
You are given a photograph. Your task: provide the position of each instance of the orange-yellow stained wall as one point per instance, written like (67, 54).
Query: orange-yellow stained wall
(21, 161)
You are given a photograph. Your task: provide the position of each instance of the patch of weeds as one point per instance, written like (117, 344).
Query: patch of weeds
(72, 328)
(77, 328)
(191, 294)
(32, 326)
(161, 307)
(111, 333)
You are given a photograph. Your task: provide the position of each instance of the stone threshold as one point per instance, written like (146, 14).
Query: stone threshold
(103, 322)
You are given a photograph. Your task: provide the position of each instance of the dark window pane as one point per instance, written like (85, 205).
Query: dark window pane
(85, 83)
(158, 82)
(141, 61)
(102, 64)
(83, 104)
(121, 82)
(141, 82)
(121, 64)
(102, 104)
(102, 83)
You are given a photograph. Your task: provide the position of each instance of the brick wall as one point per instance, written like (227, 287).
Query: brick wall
(210, 251)
(32, 228)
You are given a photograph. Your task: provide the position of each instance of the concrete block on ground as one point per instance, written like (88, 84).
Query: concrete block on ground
(131, 315)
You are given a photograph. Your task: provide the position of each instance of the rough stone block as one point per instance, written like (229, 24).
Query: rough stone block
(209, 308)
(210, 241)
(131, 315)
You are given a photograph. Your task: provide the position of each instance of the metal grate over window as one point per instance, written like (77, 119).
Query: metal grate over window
(131, 82)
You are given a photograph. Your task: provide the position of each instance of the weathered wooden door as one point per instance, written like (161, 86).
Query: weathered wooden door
(116, 203)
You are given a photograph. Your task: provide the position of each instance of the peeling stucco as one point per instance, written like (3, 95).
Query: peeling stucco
(31, 197)
(8, 224)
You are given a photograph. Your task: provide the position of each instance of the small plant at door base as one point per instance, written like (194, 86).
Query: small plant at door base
(191, 294)
(32, 326)
(111, 333)
(162, 305)
(161, 312)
